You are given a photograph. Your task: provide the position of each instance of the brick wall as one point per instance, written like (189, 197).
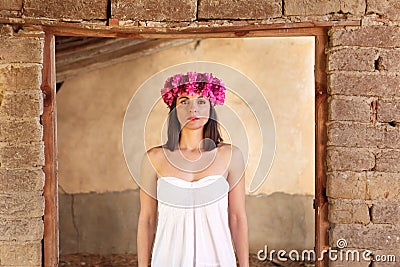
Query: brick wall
(21, 149)
(363, 153)
(363, 66)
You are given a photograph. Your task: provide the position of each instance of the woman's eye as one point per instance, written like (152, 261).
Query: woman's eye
(201, 101)
(184, 102)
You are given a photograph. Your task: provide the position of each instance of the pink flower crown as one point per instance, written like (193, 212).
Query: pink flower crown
(194, 83)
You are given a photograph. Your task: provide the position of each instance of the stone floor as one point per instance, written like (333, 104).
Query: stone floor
(130, 260)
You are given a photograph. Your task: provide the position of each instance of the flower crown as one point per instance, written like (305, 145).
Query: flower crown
(194, 83)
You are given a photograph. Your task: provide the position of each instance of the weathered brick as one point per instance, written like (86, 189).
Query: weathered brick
(389, 8)
(22, 104)
(179, 10)
(349, 108)
(11, 5)
(350, 134)
(388, 60)
(382, 36)
(387, 160)
(391, 137)
(21, 229)
(21, 77)
(6, 30)
(388, 110)
(21, 205)
(311, 7)
(241, 9)
(346, 185)
(348, 211)
(67, 9)
(383, 186)
(21, 130)
(324, 7)
(371, 236)
(22, 155)
(353, 256)
(386, 258)
(13, 181)
(353, 59)
(373, 84)
(349, 159)
(20, 254)
(386, 212)
(21, 50)
(356, 7)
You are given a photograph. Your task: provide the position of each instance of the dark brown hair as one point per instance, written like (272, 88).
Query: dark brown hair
(210, 131)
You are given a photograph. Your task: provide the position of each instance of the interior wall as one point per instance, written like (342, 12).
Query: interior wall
(93, 174)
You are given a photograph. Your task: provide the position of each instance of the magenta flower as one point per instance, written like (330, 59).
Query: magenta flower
(194, 83)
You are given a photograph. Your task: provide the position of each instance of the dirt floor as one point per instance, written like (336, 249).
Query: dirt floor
(130, 260)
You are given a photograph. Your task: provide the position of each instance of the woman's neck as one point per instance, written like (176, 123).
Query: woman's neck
(191, 139)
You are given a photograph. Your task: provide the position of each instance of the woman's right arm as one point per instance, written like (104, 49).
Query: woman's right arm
(146, 227)
(147, 222)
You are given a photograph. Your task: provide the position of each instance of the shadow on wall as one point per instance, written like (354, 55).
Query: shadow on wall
(107, 223)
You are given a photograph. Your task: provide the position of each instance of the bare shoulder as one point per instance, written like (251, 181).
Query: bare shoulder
(155, 152)
(230, 150)
(155, 155)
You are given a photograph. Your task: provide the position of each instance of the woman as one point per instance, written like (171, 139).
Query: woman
(199, 183)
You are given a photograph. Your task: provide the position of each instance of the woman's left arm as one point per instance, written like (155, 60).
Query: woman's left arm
(237, 208)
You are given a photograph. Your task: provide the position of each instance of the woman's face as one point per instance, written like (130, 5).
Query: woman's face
(193, 111)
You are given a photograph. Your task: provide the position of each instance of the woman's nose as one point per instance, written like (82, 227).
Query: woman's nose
(193, 106)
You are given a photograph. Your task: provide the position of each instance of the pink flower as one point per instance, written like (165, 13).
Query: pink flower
(192, 82)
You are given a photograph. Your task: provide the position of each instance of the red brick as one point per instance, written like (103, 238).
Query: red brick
(346, 108)
(374, 84)
(383, 186)
(170, 10)
(66, 9)
(240, 9)
(388, 9)
(346, 185)
(349, 159)
(28, 205)
(21, 50)
(13, 181)
(22, 156)
(374, 36)
(353, 59)
(388, 110)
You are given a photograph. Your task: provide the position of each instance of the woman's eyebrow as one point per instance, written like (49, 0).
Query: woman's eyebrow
(183, 97)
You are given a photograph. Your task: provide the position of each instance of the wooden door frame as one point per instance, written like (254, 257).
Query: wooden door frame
(318, 30)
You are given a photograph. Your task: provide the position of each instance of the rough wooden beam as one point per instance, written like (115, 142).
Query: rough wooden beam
(113, 52)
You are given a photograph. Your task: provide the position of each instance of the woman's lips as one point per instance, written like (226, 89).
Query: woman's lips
(193, 118)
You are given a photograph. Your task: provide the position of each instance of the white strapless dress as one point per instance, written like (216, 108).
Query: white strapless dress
(192, 227)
